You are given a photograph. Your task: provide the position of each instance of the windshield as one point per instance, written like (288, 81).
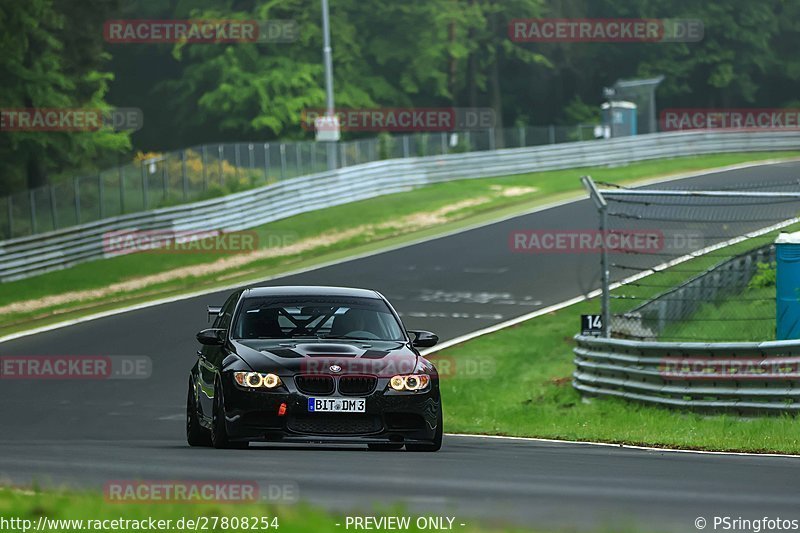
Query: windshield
(326, 318)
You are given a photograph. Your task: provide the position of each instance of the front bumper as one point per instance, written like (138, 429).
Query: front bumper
(390, 416)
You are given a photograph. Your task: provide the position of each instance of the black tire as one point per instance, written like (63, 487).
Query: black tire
(219, 433)
(196, 435)
(434, 446)
(384, 447)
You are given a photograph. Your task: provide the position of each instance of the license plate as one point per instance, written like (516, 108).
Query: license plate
(337, 405)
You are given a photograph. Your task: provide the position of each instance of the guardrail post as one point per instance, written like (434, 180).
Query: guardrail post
(32, 200)
(184, 178)
(53, 212)
(77, 191)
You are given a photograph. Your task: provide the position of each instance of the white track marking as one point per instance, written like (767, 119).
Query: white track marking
(624, 446)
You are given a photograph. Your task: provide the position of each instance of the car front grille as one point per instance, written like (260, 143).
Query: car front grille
(350, 385)
(335, 424)
(314, 384)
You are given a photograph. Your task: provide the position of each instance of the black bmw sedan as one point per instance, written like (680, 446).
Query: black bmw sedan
(313, 364)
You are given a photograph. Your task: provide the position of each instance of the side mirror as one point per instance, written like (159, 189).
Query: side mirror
(423, 339)
(211, 337)
(213, 312)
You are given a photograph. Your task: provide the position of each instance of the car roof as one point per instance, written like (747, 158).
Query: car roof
(309, 290)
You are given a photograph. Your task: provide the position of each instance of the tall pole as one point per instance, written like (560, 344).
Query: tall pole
(328, 60)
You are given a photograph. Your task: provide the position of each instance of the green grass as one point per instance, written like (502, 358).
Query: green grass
(525, 389)
(749, 316)
(62, 505)
(550, 186)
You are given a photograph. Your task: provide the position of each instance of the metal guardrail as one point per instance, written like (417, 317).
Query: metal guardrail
(731, 276)
(26, 256)
(738, 377)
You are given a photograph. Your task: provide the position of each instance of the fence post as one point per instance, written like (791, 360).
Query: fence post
(444, 142)
(491, 139)
(601, 205)
(53, 212)
(101, 196)
(32, 199)
(521, 131)
(283, 161)
(314, 157)
(121, 174)
(237, 159)
(298, 155)
(343, 155)
(144, 186)
(250, 158)
(358, 153)
(165, 177)
(220, 154)
(266, 162)
(406, 148)
(203, 163)
(77, 191)
(184, 178)
(552, 132)
(10, 217)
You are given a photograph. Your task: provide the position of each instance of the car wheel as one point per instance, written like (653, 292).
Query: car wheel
(219, 433)
(434, 446)
(196, 435)
(384, 447)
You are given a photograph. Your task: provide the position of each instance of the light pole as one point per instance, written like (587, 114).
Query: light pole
(326, 56)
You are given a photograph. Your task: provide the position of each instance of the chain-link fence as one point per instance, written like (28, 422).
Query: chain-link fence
(213, 170)
(699, 265)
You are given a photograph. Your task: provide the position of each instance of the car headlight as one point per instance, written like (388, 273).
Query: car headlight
(413, 382)
(256, 380)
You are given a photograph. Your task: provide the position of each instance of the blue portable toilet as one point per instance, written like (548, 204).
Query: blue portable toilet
(619, 118)
(787, 286)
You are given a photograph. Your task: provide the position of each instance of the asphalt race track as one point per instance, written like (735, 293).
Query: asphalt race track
(85, 433)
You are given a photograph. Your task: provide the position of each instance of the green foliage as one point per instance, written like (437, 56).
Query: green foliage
(52, 58)
(764, 277)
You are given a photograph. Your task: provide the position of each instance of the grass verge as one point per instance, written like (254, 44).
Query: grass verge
(320, 236)
(62, 512)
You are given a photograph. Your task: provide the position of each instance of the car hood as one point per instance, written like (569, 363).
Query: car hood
(381, 358)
